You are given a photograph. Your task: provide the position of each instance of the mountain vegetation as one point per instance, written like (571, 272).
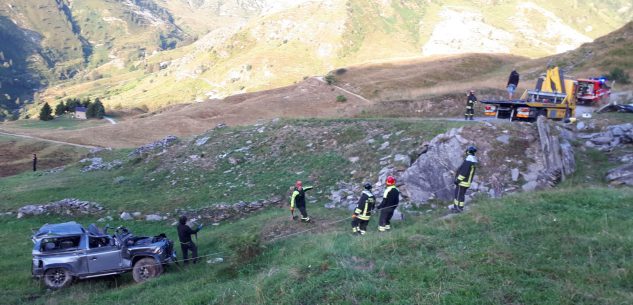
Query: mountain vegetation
(154, 53)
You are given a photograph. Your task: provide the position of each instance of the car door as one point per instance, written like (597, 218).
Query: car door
(103, 255)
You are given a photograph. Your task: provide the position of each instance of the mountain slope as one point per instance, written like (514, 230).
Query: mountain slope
(281, 46)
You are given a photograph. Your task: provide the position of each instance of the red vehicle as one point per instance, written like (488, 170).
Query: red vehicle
(593, 91)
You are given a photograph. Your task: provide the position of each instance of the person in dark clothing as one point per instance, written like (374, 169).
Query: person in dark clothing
(463, 179)
(362, 213)
(390, 200)
(470, 106)
(34, 162)
(513, 83)
(186, 244)
(298, 200)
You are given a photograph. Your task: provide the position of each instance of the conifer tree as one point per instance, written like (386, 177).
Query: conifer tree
(46, 113)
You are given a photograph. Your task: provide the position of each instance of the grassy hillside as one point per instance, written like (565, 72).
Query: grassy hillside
(274, 49)
(568, 246)
(16, 155)
(564, 246)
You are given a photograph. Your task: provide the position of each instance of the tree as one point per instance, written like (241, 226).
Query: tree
(60, 109)
(99, 110)
(95, 110)
(45, 113)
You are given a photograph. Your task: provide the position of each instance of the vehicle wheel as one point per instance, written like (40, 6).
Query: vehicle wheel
(57, 278)
(145, 269)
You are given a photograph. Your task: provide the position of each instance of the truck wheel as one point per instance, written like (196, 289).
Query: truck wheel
(57, 278)
(145, 269)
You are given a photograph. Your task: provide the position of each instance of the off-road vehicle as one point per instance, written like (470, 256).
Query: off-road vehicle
(66, 251)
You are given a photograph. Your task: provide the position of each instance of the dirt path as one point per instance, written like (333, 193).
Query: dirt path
(47, 140)
(111, 120)
(320, 78)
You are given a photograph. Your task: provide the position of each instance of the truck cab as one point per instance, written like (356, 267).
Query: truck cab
(593, 91)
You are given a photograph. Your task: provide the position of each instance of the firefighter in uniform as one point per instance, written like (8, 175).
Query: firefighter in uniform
(470, 106)
(390, 200)
(361, 215)
(463, 179)
(298, 200)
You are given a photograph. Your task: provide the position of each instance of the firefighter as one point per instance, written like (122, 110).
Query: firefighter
(463, 179)
(298, 200)
(186, 244)
(390, 200)
(470, 105)
(361, 215)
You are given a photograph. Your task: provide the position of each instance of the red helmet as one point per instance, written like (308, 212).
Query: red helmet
(298, 184)
(391, 180)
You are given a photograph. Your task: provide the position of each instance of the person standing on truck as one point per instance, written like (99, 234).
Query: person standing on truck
(470, 105)
(362, 213)
(298, 200)
(463, 179)
(513, 83)
(390, 200)
(186, 244)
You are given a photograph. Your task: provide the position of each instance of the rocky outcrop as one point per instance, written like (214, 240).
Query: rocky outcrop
(220, 212)
(557, 153)
(609, 139)
(622, 175)
(98, 164)
(152, 147)
(527, 158)
(70, 207)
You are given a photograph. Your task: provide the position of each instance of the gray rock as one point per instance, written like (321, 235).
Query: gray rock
(602, 140)
(581, 125)
(136, 214)
(515, 174)
(202, 141)
(371, 141)
(530, 186)
(505, 139)
(384, 146)
(153, 217)
(402, 159)
(160, 144)
(119, 180)
(353, 159)
(216, 260)
(126, 216)
(622, 175)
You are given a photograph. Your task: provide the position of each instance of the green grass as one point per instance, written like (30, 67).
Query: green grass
(565, 246)
(63, 122)
(568, 246)
(284, 152)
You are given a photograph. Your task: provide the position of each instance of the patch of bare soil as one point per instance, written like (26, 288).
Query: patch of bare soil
(286, 227)
(16, 155)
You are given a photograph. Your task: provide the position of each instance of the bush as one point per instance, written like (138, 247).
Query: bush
(341, 99)
(618, 75)
(46, 113)
(330, 79)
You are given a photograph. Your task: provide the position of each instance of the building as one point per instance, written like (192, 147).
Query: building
(80, 113)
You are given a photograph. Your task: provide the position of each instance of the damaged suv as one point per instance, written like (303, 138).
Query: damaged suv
(66, 251)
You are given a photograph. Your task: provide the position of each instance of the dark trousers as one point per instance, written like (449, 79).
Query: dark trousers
(470, 112)
(460, 195)
(34, 165)
(304, 212)
(359, 223)
(186, 247)
(385, 216)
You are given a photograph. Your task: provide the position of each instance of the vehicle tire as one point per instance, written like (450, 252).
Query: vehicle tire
(145, 269)
(57, 278)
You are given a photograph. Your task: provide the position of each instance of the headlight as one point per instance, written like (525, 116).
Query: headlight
(158, 250)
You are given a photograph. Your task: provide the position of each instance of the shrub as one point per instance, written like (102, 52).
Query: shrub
(60, 109)
(618, 75)
(330, 79)
(341, 99)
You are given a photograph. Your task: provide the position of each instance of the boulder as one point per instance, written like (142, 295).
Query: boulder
(126, 216)
(202, 141)
(153, 217)
(515, 174)
(622, 175)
